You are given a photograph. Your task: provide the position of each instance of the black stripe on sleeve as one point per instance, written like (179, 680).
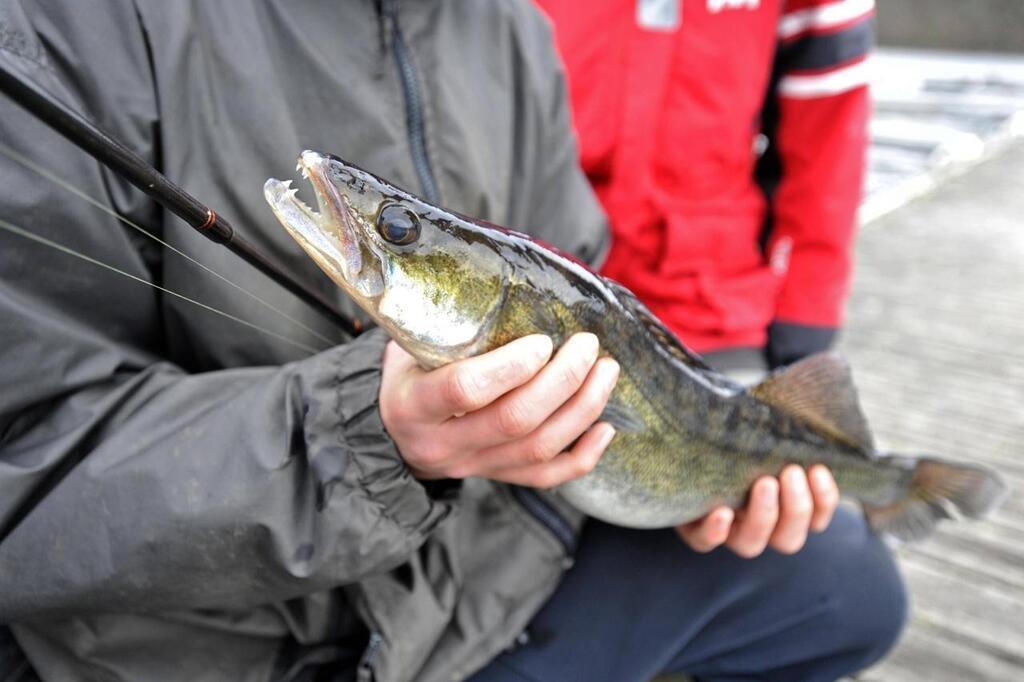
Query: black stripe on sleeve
(815, 52)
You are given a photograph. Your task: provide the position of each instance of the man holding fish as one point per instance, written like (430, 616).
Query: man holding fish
(186, 498)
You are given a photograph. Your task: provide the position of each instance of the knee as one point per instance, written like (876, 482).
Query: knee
(887, 621)
(874, 610)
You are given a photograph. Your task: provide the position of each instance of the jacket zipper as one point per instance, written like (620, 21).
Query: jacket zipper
(548, 517)
(414, 122)
(529, 499)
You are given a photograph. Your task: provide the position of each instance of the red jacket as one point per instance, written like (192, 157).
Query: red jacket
(673, 102)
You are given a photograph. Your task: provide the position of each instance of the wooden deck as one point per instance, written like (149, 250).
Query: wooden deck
(936, 339)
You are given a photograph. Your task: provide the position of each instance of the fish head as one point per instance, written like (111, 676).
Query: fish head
(425, 275)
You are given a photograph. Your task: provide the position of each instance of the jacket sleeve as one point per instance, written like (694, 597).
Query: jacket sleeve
(127, 483)
(821, 109)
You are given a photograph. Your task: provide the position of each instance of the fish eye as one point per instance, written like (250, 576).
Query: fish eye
(398, 225)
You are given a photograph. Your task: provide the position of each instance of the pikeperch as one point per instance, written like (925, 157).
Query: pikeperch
(447, 287)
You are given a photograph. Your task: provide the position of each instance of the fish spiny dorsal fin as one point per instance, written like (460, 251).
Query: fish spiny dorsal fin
(820, 391)
(669, 341)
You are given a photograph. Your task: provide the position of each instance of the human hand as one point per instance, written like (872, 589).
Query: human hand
(779, 514)
(509, 415)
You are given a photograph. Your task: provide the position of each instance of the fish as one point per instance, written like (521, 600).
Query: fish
(688, 439)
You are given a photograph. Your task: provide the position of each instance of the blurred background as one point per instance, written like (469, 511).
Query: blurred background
(949, 92)
(936, 319)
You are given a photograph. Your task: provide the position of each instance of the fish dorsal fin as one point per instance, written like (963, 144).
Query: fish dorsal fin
(669, 341)
(820, 391)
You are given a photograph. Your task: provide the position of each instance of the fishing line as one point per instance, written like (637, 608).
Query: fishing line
(14, 229)
(49, 109)
(60, 182)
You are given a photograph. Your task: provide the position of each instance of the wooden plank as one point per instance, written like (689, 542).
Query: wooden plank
(991, 619)
(936, 340)
(927, 655)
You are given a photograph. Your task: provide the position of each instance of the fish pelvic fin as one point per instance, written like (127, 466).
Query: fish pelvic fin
(938, 490)
(819, 390)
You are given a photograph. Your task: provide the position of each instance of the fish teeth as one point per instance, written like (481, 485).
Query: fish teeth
(298, 165)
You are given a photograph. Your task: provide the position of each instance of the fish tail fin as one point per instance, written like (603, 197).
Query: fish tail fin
(938, 490)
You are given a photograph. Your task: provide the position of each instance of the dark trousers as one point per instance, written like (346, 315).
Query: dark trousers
(637, 603)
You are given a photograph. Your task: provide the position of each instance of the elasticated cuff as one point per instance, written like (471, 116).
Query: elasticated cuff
(351, 453)
(789, 342)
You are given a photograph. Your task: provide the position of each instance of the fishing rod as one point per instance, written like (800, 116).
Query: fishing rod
(91, 139)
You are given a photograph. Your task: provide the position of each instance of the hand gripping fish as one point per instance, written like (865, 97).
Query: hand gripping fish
(446, 287)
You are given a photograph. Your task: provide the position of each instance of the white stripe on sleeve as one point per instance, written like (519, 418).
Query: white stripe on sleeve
(825, 16)
(824, 84)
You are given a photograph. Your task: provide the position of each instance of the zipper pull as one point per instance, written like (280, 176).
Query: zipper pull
(389, 14)
(386, 23)
(364, 672)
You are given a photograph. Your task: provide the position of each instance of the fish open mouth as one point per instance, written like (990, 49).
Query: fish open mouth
(283, 197)
(292, 211)
(328, 234)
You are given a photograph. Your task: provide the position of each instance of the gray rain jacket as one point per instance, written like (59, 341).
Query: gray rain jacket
(189, 498)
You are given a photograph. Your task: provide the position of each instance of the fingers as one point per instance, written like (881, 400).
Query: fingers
(521, 411)
(779, 514)
(796, 508)
(559, 431)
(473, 383)
(826, 497)
(704, 535)
(753, 528)
(580, 460)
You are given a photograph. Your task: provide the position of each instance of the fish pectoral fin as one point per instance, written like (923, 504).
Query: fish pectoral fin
(623, 417)
(820, 390)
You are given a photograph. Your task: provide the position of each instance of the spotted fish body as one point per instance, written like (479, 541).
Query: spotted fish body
(446, 287)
